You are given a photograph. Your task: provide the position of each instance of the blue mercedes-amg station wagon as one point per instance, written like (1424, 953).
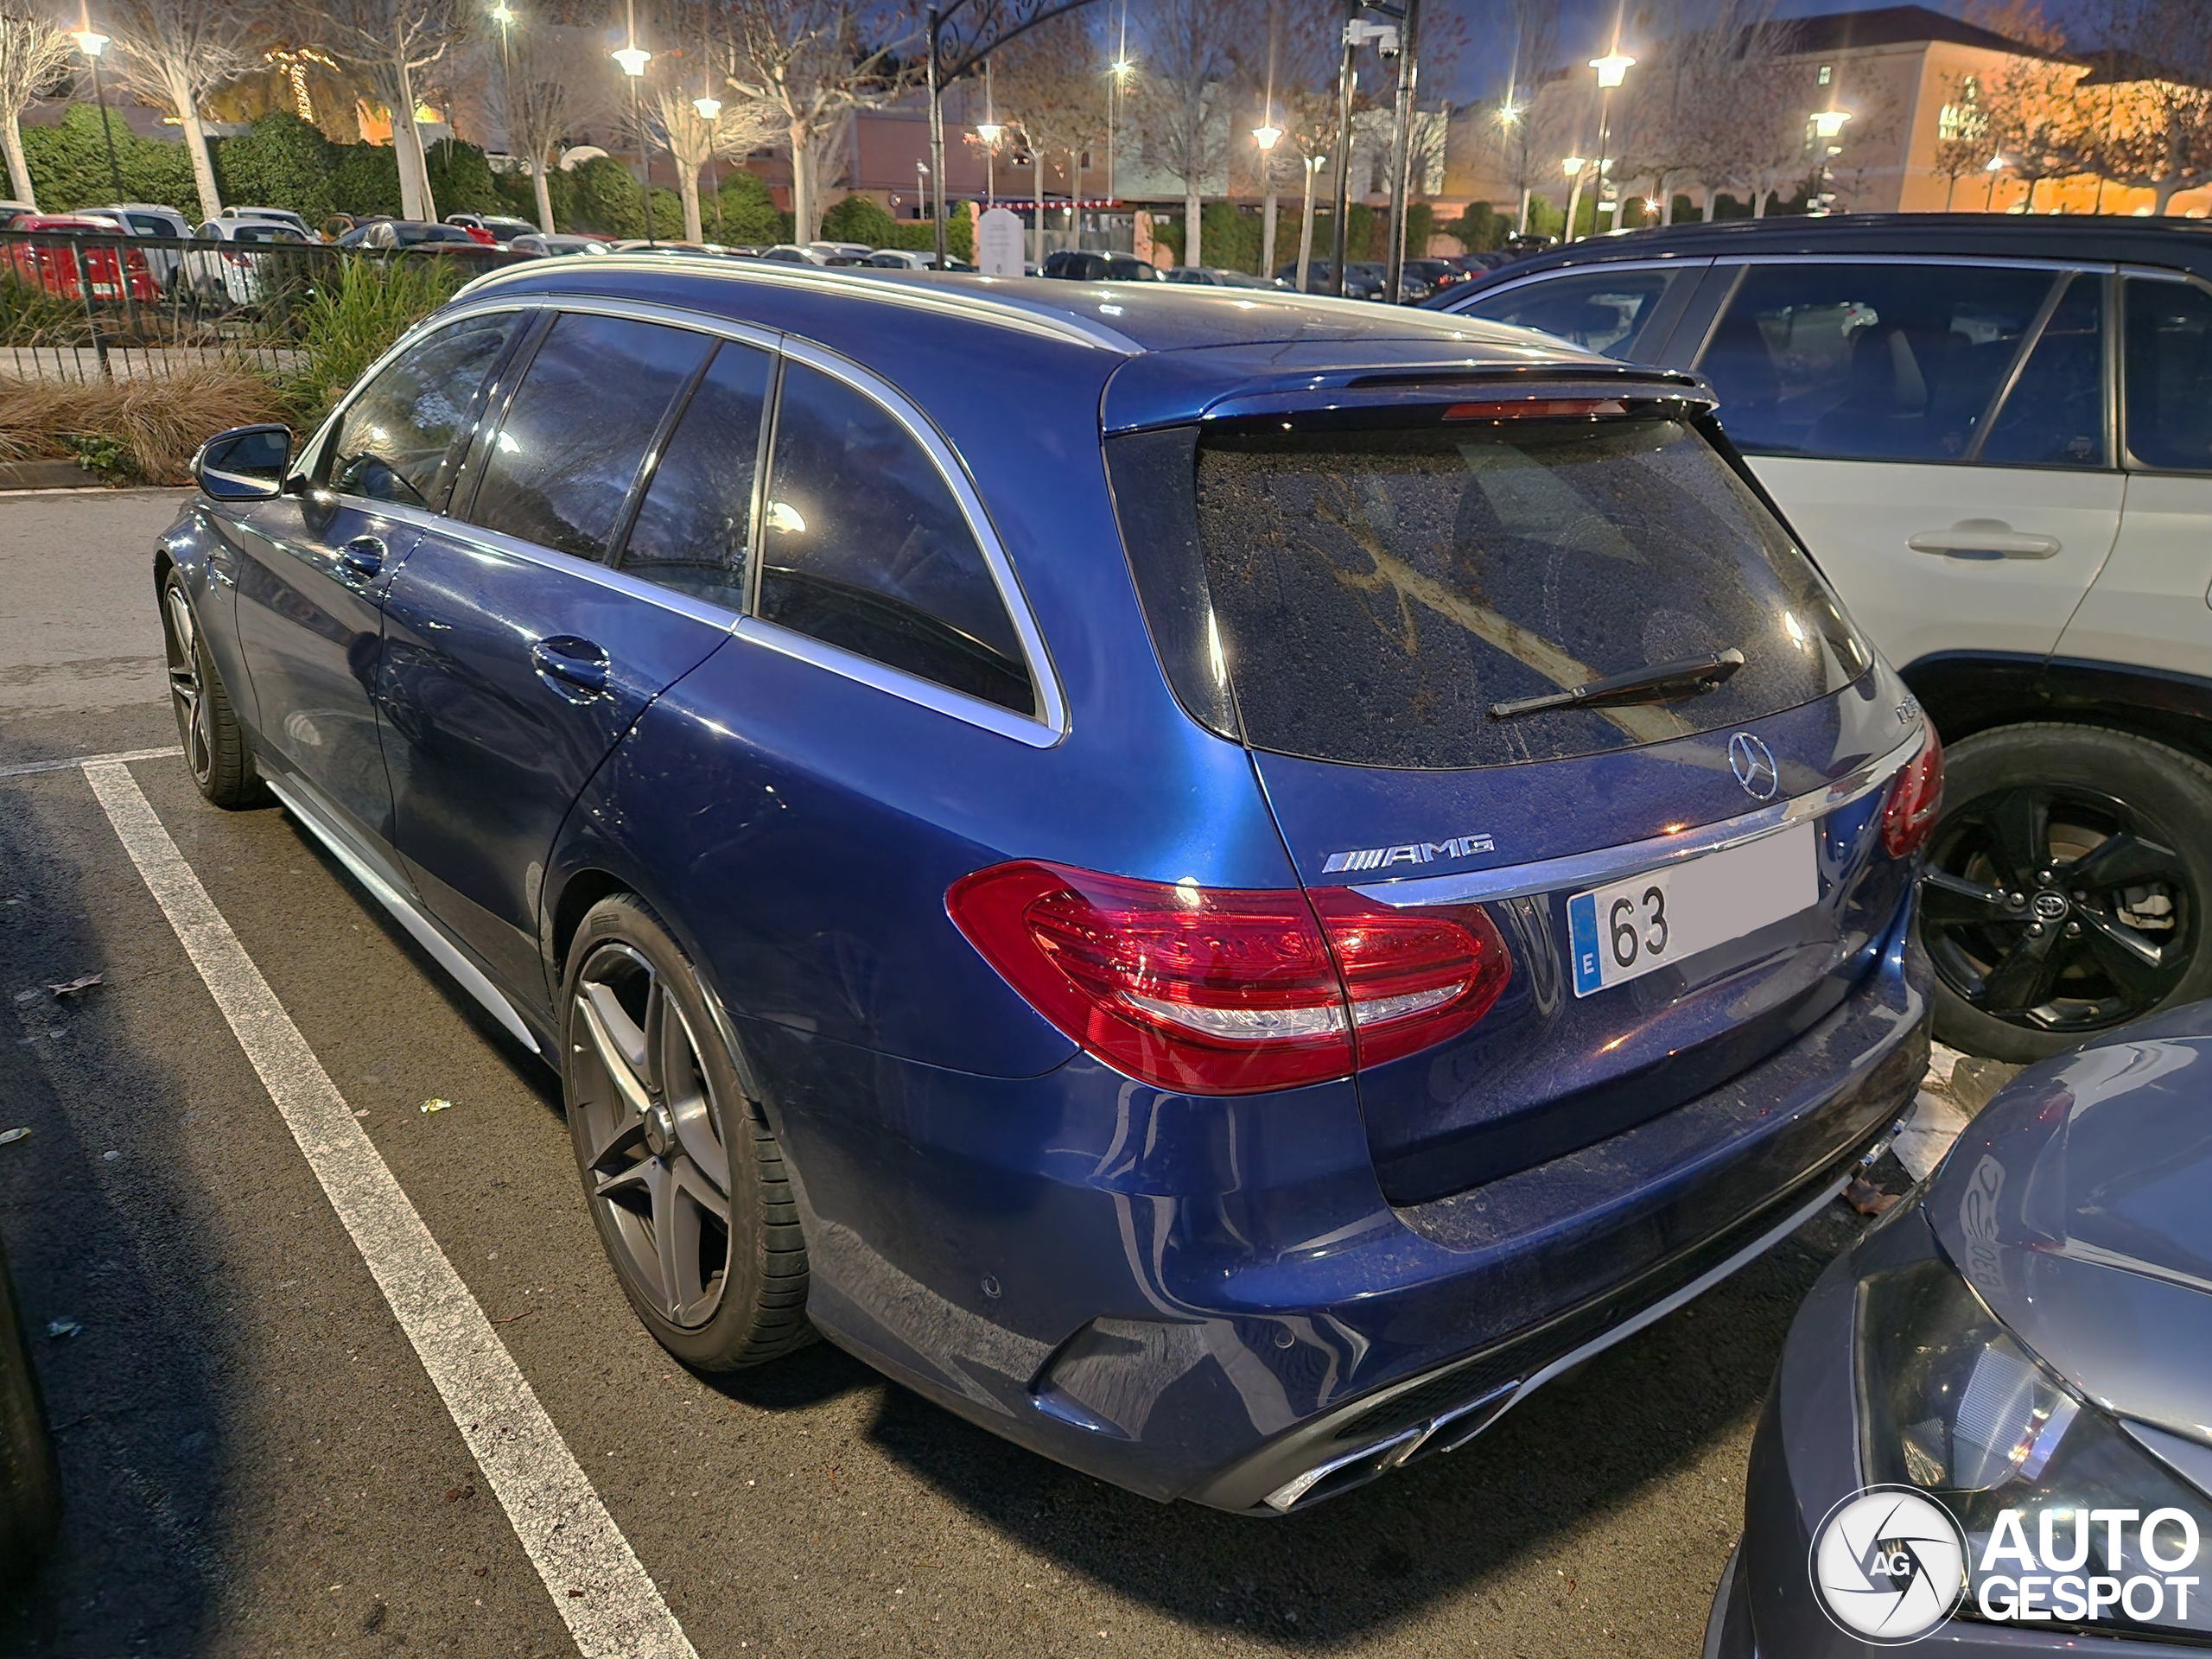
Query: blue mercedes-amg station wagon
(1222, 883)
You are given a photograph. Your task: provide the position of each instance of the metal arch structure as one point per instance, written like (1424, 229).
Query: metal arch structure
(989, 25)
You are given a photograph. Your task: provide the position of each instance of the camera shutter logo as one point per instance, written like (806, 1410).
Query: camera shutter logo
(1889, 1566)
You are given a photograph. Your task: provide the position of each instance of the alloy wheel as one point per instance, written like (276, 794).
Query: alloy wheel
(186, 692)
(648, 1133)
(2057, 909)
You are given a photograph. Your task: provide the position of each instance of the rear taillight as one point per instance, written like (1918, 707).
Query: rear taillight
(1909, 816)
(1230, 991)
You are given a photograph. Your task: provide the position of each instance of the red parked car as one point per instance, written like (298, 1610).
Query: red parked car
(53, 265)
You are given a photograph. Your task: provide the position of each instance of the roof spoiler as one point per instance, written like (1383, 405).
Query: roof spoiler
(1468, 395)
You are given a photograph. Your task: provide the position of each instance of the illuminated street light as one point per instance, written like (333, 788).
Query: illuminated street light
(633, 60)
(1612, 68)
(989, 132)
(1266, 137)
(1573, 164)
(710, 109)
(1828, 123)
(91, 43)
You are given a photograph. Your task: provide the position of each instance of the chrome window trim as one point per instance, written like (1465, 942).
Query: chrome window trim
(1044, 729)
(1579, 870)
(1006, 312)
(1686, 264)
(1970, 261)
(1051, 719)
(909, 688)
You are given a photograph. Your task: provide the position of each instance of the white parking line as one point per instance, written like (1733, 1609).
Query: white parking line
(116, 759)
(567, 1534)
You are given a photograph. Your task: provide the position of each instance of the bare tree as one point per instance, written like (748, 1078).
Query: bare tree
(2037, 127)
(545, 102)
(1049, 81)
(811, 63)
(390, 43)
(2159, 134)
(692, 140)
(174, 53)
(1963, 146)
(32, 52)
(1182, 102)
(1512, 128)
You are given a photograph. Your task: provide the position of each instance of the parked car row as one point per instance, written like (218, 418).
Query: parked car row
(1995, 437)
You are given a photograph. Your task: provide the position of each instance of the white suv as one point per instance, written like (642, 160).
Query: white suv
(1994, 433)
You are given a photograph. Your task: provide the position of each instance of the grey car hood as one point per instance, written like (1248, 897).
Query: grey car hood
(2079, 1204)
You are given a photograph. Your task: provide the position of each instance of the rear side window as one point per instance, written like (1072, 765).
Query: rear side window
(695, 528)
(2054, 416)
(1868, 362)
(561, 468)
(2169, 366)
(1376, 592)
(1603, 311)
(395, 436)
(864, 546)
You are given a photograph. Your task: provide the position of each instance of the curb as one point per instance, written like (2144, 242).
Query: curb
(45, 475)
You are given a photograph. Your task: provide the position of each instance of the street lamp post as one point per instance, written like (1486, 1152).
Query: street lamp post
(710, 110)
(1613, 69)
(504, 15)
(1573, 167)
(990, 132)
(633, 61)
(1990, 169)
(91, 43)
(1827, 127)
(1267, 135)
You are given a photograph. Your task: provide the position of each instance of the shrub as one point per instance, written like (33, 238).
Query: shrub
(146, 428)
(348, 323)
(281, 162)
(460, 179)
(1480, 229)
(68, 163)
(749, 214)
(604, 200)
(365, 181)
(860, 219)
(920, 234)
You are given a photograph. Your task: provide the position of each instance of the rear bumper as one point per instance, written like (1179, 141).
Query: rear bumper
(1211, 1299)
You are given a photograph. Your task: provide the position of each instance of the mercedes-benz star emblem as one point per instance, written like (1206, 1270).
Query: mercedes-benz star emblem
(1753, 764)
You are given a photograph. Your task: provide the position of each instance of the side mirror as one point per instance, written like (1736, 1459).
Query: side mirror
(246, 463)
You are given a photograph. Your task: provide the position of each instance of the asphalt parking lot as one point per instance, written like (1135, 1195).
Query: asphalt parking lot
(257, 1460)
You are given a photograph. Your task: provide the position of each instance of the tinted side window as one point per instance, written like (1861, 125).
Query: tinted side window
(2055, 414)
(1867, 362)
(863, 546)
(561, 466)
(395, 437)
(2169, 360)
(695, 528)
(1603, 311)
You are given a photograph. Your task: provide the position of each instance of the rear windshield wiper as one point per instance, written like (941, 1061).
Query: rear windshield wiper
(1661, 682)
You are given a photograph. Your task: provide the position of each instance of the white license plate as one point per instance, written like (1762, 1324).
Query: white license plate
(1635, 927)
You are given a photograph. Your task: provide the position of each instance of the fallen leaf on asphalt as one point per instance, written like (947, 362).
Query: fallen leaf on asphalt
(437, 1104)
(59, 1329)
(23, 997)
(1869, 1199)
(6, 1135)
(82, 982)
(578, 1593)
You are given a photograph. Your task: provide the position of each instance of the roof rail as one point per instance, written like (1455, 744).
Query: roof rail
(892, 286)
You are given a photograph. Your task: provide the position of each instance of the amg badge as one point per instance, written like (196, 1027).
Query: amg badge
(1417, 852)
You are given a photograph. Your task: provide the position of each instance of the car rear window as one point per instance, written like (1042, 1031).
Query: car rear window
(1375, 592)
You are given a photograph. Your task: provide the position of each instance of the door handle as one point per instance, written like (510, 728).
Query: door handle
(1985, 536)
(363, 556)
(574, 662)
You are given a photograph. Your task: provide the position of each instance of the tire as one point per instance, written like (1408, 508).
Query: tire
(2067, 888)
(216, 750)
(665, 1136)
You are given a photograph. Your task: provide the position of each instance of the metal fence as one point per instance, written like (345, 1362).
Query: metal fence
(82, 308)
